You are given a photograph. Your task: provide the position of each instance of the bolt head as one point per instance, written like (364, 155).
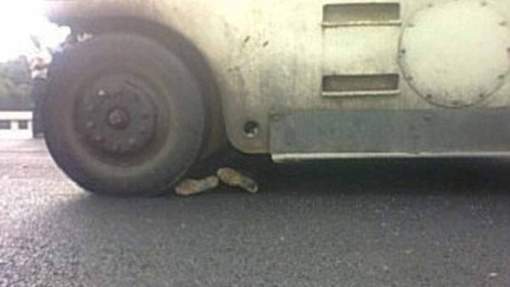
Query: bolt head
(118, 119)
(101, 93)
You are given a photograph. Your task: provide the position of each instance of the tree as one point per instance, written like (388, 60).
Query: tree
(15, 85)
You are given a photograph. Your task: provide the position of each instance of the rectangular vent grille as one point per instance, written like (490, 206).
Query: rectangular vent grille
(360, 85)
(355, 14)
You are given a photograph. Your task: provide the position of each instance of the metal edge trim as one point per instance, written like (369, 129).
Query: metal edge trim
(290, 157)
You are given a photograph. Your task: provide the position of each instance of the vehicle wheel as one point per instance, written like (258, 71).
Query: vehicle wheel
(124, 115)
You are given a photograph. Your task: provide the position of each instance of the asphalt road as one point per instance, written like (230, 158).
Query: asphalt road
(352, 223)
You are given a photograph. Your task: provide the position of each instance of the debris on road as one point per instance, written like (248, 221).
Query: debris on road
(195, 186)
(228, 176)
(232, 177)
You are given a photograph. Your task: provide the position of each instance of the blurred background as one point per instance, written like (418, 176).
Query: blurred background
(28, 40)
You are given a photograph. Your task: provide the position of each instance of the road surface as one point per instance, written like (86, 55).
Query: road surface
(353, 223)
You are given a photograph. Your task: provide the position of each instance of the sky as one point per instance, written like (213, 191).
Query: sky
(19, 19)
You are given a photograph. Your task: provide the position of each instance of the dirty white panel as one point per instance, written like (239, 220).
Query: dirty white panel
(360, 50)
(271, 56)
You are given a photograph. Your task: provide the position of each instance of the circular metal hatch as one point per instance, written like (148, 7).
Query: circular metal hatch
(456, 54)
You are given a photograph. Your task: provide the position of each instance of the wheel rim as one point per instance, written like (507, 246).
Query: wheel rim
(117, 115)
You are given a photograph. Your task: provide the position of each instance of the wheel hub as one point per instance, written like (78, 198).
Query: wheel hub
(118, 115)
(118, 118)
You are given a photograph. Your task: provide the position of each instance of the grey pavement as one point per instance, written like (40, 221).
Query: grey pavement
(349, 223)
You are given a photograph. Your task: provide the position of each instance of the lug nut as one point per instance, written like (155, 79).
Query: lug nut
(101, 93)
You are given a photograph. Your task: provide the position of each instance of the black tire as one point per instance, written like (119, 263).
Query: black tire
(136, 73)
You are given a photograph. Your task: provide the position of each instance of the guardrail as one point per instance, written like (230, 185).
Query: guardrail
(16, 124)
